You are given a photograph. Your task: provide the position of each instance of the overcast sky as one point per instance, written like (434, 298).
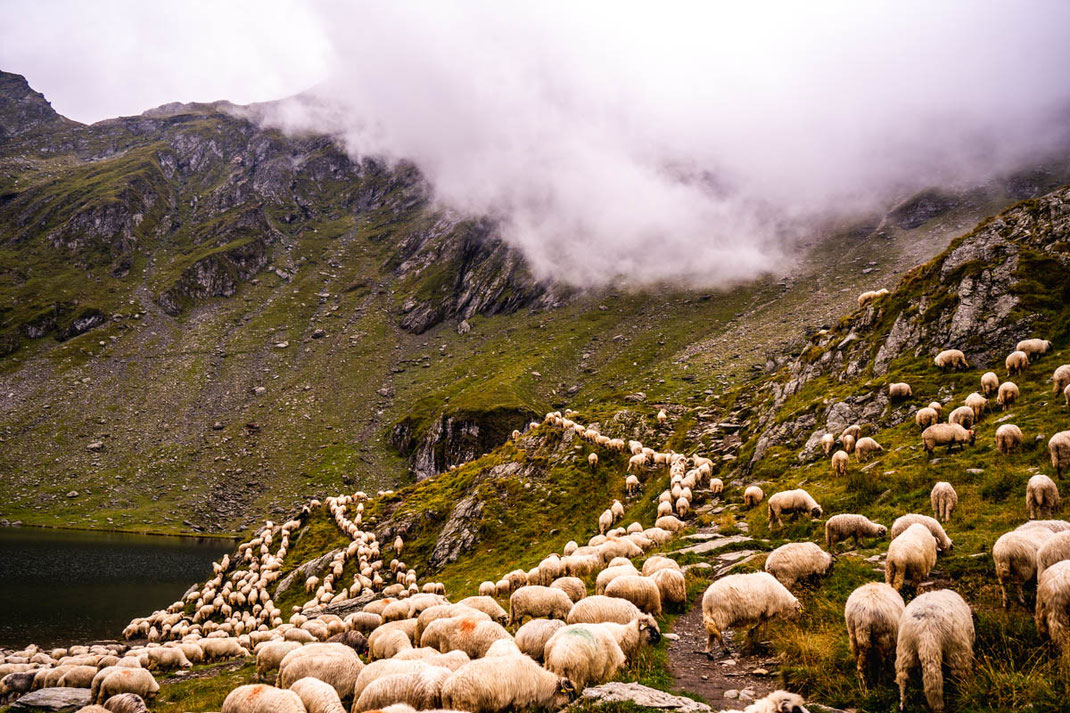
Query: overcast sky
(682, 141)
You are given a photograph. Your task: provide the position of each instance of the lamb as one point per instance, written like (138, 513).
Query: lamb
(600, 608)
(872, 614)
(261, 698)
(797, 560)
(791, 501)
(1015, 557)
(1008, 438)
(840, 460)
(870, 296)
(867, 447)
(744, 600)
(963, 416)
(671, 585)
(926, 417)
(335, 664)
(827, 442)
(594, 653)
(531, 638)
(1059, 449)
(947, 434)
(1016, 362)
(841, 527)
(951, 359)
(989, 383)
(1056, 549)
(535, 601)
(317, 696)
(1008, 394)
(911, 557)
(1041, 497)
(943, 542)
(124, 680)
(420, 688)
(1061, 378)
(1052, 614)
(899, 391)
(572, 586)
(752, 496)
(944, 499)
(978, 404)
(936, 628)
(505, 683)
(641, 591)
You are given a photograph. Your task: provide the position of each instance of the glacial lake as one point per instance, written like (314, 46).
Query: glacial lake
(62, 587)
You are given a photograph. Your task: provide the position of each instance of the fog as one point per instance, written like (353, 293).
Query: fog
(690, 143)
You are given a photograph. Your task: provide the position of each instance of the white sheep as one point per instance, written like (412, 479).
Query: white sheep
(594, 653)
(872, 614)
(1061, 378)
(1015, 558)
(899, 390)
(1056, 549)
(866, 447)
(744, 600)
(1008, 438)
(1052, 616)
(610, 573)
(1041, 497)
(270, 654)
(592, 460)
(870, 296)
(827, 442)
(1008, 395)
(943, 499)
(261, 698)
(989, 383)
(336, 664)
(951, 359)
(124, 680)
(848, 442)
(1016, 362)
(936, 628)
(854, 431)
(775, 702)
(505, 683)
(847, 525)
(840, 461)
(531, 638)
(671, 585)
(911, 557)
(962, 416)
(926, 417)
(534, 601)
(420, 688)
(1034, 347)
(943, 542)
(752, 495)
(572, 586)
(599, 608)
(631, 484)
(948, 434)
(797, 560)
(1059, 449)
(641, 591)
(317, 696)
(791, 501)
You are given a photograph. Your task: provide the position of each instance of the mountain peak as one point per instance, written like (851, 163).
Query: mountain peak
(22, 109)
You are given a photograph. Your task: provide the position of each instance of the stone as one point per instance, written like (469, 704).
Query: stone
(72, 494)
(95, 447)
(318, 334)
(281, 345)
(712, 545)
(671, 637)
(57, 698)
(217, 426)
(731, 694)
(643, 696)
(760, 672)
(259, 390)
(464, 327)
(304, 572)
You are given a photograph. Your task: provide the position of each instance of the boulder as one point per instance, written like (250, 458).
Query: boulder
(644, 697)
(57, 698)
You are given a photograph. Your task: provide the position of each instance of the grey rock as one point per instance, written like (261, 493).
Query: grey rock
(344, 607)
(713, 545)
(58, 698)
(643, 696)
(462, 528)
(464, 327)
(299, 575)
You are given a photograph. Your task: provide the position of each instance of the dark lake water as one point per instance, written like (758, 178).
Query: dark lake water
(60, 587)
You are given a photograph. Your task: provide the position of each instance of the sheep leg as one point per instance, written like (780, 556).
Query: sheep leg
(714, 634)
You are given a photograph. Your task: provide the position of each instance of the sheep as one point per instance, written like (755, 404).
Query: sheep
(384, 643)
(637, 462)
(911, 557)
(943, 542)
(791, 501)
(976, 403)
(840, 459)
(671, 585)
(1066, 395)
(1041, 497)
(488, 606)
(1061, 378)
(572, 586)
(1059, 449)
(963, 416)
(854, 431)
(631, 484)
(1015, 558)
(951, 359)
(1052, 525)
(270, 655)
(531, 638)
(534, 601)
(797, 560)
(944, 499)
(938, 407)
(872, 614)
(1008, 395)
(600, 608)
(870, 296)
(420, 688)
(641, 591)
(472, 636)
(261, 698)
(608, 574)
(1052, 615)
(670, 523)
(1008, 437)
(716, 486)
(124, 680)
(662, 417)
(594, 653)
(221, 648)
(1055, 549)
(827, 442)
(505, 683)
(848, 442)
(1016, 362)
(1034, 347)
(126, 703)
(335, 664)
(989, 383)
(947, 434)
(656, 562)
(742, 600)
(317, 696)
(165, 658)
(867, 447)
(841, 527)
(752, 496)
(936, 628)
(899, 391)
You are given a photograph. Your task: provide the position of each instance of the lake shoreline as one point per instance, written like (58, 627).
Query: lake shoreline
(122, 531)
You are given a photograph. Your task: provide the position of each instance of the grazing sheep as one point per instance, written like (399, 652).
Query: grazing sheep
(1061, 378)
(610, 573)
(531, 638)
(962, 416)
(943, 542)
(951, 359)
(1008, 394)
(317, 696)
(670, 523)
(1052, 616)
(840, 460)
(335, 664)
(827, 442)
(271, 654)
(662, 416)
(989, 383)
(1066, 395)
(1056, 549)
(82, 676)
(978, 404)
(791, 501)
(488, 606)
(487, 589)
(848, 442)
(534, 602)
(471, 636)
(854, 431)
(944, 499)
(631, 484)
(1041, 497)
(261, 698)
(936, 629)
(671, 585)
(641, 591)
(420, 688)
(1059, 448)
(1053, 525)
(872, 614)
(1016, 362)
(505, 683)
(866, 447)
(870, 296)
(599, 608)
(744, 600)
(752, 496)
(594, 653)
(657, 562)
(442, 611)
(947, 434)
(911, 557)
(126, 703)
(605, 521)
(899, 391)
(926, 417)
(592, 460)
(1008, 437)
(1034, 347)
(716, 486)
(797, 560)
(1015, 558)
(222, 648)
(841, 527)
(124, 680)
(938, 407)
(572, 586)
